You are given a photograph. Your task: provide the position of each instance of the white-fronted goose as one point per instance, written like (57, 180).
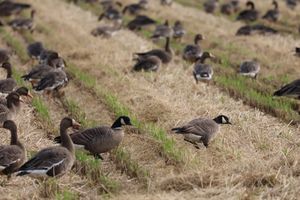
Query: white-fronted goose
(150, 63)
(109, 3)
(53, 161)
(291, 3)
(37, 73)
(201, 129)
(47, 55)
(166, 2)
(135, 8)
(106, 31)
(4, 56)
(13, 104)
(210, 6)
(139, 22)
(34, 50)
(8, 7)
(292, 89)
(250, 14)
(203, 71)
(164, 55)
(111, 14)
(273, 14)
(100, 139)
(192, 52)
(249, 68)
(230, 7)
(23, 23)
(297, 51)
(7, 85)
(162, 31)
(178, 30)
(22, 91)
(11, 156)
(259, 29)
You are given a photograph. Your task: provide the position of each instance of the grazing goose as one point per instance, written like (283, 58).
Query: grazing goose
(100, 139)
(22, 91)
(47, 55)
(291, 89)
(53, 161)
(166, 2)
(210, 6)
(11, 156)
(8, 7)
(203, 71)
(162, 31)
(139, 22)
(23, 23)
(256, 29)
(192, 52)
(12, 106)
(106, 31)
(291, 3)
(250, 14)
(34, 50)
(4, 57)
(250, 68)
(37, 73)
(201, 129)
(7, 85)
(164, 55)
(135, 8)
(297, 51)
(111, 14)
(178, 30)
(150, 63)
(272, 15)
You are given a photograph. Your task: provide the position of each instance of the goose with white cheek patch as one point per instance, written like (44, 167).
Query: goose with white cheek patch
(100, 139)
(201, 130)
(53, 161)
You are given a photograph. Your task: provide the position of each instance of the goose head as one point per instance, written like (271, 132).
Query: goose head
(275, 4)
(23, 91)
(122, 121)
(68, 122)
(198, 37)
(250, 4)
(222, 119)
(7, 66)
(13, 100)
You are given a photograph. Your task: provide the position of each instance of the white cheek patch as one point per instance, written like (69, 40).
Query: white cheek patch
(122, 121)
(224, 120)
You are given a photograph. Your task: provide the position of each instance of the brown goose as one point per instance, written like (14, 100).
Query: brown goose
(193, 51)
(11, 107)
(178, 30)
(250, 68)
(201, 129)
(151, 63)
(37, 73)
(7, 85)
(22, 91)
(23, 23)
(162, 31)
(210, 6)
(100, 139)
(106, 31)
(272, 15)
(11, 156)
(53, 161)
(203, 71)
(34, 50)
(164, 55)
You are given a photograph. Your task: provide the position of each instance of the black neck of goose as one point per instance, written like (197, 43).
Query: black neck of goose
(167, 46)
(252, 6)
(66, 140)
(275, 5)
(9, 72)
(117, 124)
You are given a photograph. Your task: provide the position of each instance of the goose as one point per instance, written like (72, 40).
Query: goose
(111, 14)
(162, 31)
(291, 3)
(178, 30)
(203, 71)
(47, 55)
(192, 52)
(135, 8)
(297, 51)
(250, 14)
(150, 63)
(250, 68)
(109, 3)
(106, 31)
(53, 161)
(7, 85)
(35, 49)
(290, 89)
(256, 29)
(139, 22)
(230, 7)
(4, 56)
(164, 55)
(37, 73)
(166, 2)
(8, 7)
(22, 91)
(272, 15)
(11, 156)
(100, 139)
(210, 6)
(201, 129)
(23, 23)
(12, 106)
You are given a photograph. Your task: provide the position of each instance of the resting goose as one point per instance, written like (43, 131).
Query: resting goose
(11, 156)
(139, 22)
(111, 14)
(150, 63)
(210, 6)
(53, 161)
(250, 68)
(135, 8)
(99, 139)
(22, 91)
(201, 129)
(178, 30)
(162, 31)
(106, 31)
(164, 55)
(7, 85)
(8, 7)
(37, 73)
(34, 50)
(256, 29)
(13, 104)
(250, 14)
(192, 52)
(272, 15)
(291, 89)
(166, 2)
(203, 71)
(4, 56)
(23, 23)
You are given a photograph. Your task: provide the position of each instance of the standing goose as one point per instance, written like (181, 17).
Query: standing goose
(162, 31)
(291, 89)
(250, 14)
(53, 161)
(193, 51)
(210, 6)
(151, 63)
(4, 57)
(203, 71)
(22, 91)
(7, 85)
(37, 73)
(178, 30)
(8, 7)
(12, 105)
(100, 139)
(23, 23)
(201, 129)
(34, 50)
(139, 22)
(164, 55)
(250, 68)
(272, 15)
(11, 156)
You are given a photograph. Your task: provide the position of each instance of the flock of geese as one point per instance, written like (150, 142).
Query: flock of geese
(48, 76)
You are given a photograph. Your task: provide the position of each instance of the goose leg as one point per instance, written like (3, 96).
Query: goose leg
(194, 143)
